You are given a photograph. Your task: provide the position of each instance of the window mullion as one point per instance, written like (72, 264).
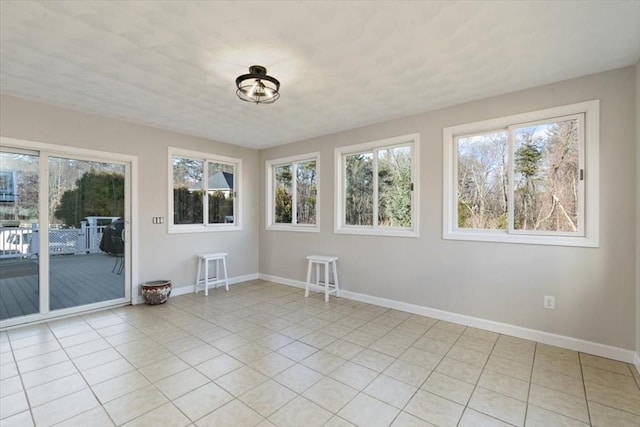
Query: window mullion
(375, 188)
(294, 193)
(205, 193)
(510, 183)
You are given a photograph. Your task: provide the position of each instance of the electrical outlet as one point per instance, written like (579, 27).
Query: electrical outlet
(549, 302)
(157, 220)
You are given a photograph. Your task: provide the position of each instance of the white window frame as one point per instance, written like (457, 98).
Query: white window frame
(340, 153)
(270, 165)
(237, 184)
(588, 234)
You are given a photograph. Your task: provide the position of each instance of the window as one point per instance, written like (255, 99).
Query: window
(376, 188)
(204, 192)
(527, 178)
(292, 193)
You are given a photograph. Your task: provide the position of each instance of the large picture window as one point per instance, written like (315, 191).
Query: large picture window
(204, 192)
(376, 188)
(530, 178)
(292, 193)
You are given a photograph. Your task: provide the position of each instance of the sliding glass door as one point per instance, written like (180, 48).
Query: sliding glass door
(64, 234)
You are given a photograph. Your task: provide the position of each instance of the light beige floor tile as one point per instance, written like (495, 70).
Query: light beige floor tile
(295, 331)
(181, 383)
(614, 398)
(13, 404)
(407, 372)
(609, 379)
(366, 411)
(108, 371)
(504, 384)
(460, 370)
(373, 360)
(272, 364)
(361, 338)
(232, 414)
(202, 400)
(336, 330)
(47, 374)
(473, 418)
(55, 389)
(421, 358)
(432, 346)
(354, 375)
(605, 416)
(442, 335)
(475, 344)
(330, 394)
(337, 421)
(557, 381)
(134, 404)
(298, 378)
(23, 419)
(163, 369)
(36, 350)
(498, 406)
(561, 366)
(119, 386)
(509, 367)
(87, 348)
(395, 393)
(297, 351)
(323, 362)
(481, 334)
(96, 359)
(241, 380)
(8, 370)
(405, 419)
(557, 352)
(466, 355)
(41, 361)
(218, 366)
(199, 354)
(389, 346)
(559, 402)
(434, 409)
(274, 341)
(606, 364)
(96, 417)
(229, 342)
(166, 415)
(448, 387)
(300, 412)
(143, 359)
(539, 417)
(267, 398)
(249, 352)
(10, 386)
(66, 407)
(450, 326)
(185, 343)
(344, 349)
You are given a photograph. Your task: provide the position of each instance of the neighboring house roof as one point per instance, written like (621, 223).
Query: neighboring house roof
(221, 181)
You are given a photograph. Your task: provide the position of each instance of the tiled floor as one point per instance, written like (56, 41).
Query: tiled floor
(262, 354)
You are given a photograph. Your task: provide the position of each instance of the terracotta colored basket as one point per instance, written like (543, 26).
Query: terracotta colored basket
(156, 291)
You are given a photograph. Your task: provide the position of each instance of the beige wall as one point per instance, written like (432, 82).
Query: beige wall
(161, 255)
(594, 288)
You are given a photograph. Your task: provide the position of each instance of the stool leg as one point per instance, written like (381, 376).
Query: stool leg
(226, 278)
(326, 282)
(206, 277)
(335, 278)
(306, 288)
(198, 275)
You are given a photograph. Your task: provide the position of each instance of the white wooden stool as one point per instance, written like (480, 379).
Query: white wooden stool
(218, 279)
(328, 288)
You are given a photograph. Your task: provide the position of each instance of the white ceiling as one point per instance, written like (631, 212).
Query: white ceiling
(172, 64)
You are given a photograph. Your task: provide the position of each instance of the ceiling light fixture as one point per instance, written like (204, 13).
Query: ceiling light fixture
(257, 86)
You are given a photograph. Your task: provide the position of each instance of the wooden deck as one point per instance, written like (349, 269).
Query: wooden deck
(74, 280)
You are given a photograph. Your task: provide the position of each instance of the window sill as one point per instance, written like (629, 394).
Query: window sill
(294, 228)
(484, 236)
(177, 229)
(377, 232)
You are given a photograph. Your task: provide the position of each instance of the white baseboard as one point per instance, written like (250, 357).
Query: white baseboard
(189, 289)
(571, 343)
